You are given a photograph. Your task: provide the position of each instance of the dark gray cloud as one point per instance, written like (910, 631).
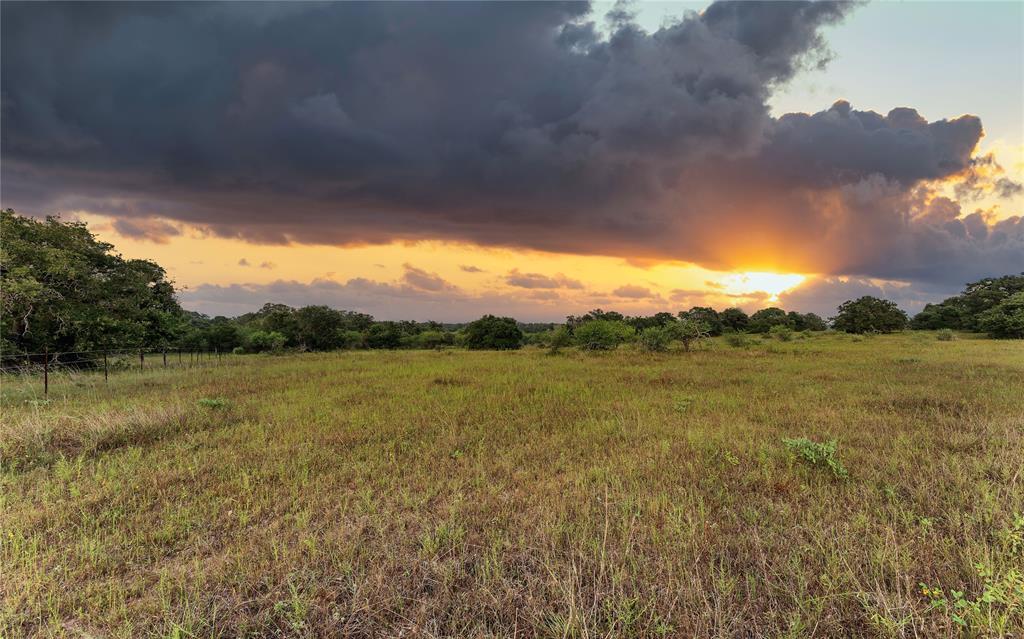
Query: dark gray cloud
(469, 268)
(1005, 187)
(511, 124)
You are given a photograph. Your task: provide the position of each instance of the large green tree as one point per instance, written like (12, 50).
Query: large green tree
(1006, 319)
(965, 311)
(64, 290)
(493, 333)
(869, 315)
(763, 320)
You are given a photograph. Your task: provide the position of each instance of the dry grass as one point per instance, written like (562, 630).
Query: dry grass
(460, 494)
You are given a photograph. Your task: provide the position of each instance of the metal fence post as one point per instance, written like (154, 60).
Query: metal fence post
(46, 371)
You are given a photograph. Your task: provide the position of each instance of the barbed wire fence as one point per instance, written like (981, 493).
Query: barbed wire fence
(50, 366)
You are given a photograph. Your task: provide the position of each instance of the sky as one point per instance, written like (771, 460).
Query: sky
(445, 160)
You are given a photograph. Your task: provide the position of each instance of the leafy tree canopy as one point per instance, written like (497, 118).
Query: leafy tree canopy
(965, 311)
(493, 333)
(734, 319)
(869, 315)
(763, 320)
(62, 289)
(1006, 319)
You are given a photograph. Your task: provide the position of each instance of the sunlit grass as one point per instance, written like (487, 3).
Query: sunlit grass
(492, 494)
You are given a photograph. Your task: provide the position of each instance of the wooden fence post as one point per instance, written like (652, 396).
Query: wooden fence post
(142, 359)
(106, 369)
(165, 358)
(46, 371)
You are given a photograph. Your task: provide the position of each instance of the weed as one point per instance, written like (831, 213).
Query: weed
(683, 404)
(818, 455)
(213, 403)
(1000, 603)
(945, 335)
(443, 539)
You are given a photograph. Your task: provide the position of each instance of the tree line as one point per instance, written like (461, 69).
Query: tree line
(63, 290)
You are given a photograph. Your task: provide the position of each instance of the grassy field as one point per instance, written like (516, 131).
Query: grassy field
(517, 494)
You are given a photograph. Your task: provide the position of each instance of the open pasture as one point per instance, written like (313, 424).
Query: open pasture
(518, 494)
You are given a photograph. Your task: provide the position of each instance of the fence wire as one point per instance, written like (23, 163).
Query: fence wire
(49, 365)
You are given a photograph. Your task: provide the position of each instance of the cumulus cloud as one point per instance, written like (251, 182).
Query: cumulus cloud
(513, 124)
(383, 300)
(422, 280)
(537, 280)
(633, 292)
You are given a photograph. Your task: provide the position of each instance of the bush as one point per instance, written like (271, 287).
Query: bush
(602, 334)
(781, 333)
(432, 339)
(817, 455)
(265, 341)
(493, 333)
(708, 316)
(656, 339)
(559, 339)
(945, 335)
(738, 340)
(689, 331)
(352, 339)
(383, 335)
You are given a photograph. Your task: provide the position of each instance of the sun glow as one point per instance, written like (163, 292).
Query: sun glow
(755, 282)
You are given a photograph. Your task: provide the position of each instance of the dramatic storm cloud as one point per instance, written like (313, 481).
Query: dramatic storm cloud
(515, 124)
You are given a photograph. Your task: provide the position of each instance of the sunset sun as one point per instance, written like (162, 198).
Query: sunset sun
(761, 282)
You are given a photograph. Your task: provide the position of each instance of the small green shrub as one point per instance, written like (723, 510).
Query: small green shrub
(602, 335)
(781, 333)
(819, 455)
(739, 340)
(559, 339)
(945, 335)
(213, 403)
(656, 339)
